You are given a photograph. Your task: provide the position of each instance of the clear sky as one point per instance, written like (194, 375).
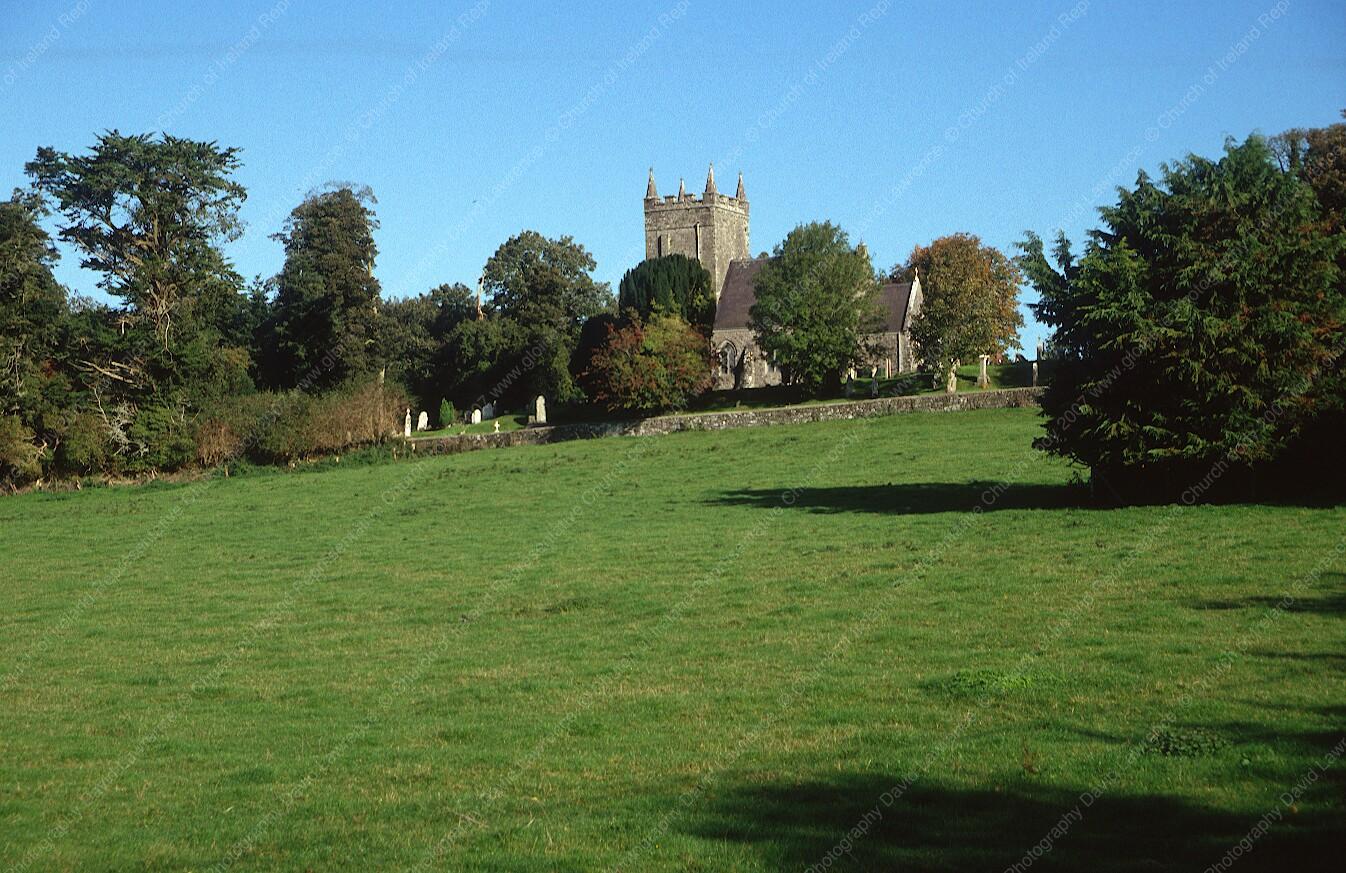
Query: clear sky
(900, 121)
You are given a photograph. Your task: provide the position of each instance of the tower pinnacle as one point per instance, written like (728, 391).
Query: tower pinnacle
(740, 194)
(710, 179)
(650, 192)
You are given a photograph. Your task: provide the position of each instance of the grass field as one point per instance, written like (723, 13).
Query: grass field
(745, 650)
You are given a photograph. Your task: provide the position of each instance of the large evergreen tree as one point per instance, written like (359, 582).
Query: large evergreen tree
(149, 214)
(327, 299)
(32, 306)
(674, 284)
(1202, 328)
(816, 300)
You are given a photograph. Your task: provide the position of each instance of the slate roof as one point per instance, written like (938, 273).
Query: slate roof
(739, 294)
(894, 298)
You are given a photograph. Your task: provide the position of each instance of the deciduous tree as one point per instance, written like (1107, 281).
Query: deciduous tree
(649, 366)
(816, 301)
(970, 302)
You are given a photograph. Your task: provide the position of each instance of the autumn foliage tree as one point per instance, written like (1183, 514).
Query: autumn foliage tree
(649, 366)
(971, 301)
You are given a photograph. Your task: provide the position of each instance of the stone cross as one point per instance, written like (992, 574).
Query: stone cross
(406, 425)
(497, 425)
(423, 422)
(540, 410)
(476, 416)
(984, 380)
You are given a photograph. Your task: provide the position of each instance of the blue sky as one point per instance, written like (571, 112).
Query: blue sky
(474, 119)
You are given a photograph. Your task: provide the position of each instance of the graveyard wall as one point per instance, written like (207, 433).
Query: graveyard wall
(1001, 399)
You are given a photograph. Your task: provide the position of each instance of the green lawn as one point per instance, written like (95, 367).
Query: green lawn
(507, 421)
(651, 654)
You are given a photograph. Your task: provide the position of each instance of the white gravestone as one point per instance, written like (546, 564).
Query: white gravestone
(984, 379)
(1035, 374)
(423, 422)
(540, 410)
(406, 425)
(476, 416)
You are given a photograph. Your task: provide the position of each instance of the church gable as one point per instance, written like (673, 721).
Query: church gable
(738, 295)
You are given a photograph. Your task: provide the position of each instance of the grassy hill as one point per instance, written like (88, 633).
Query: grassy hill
(707, 651)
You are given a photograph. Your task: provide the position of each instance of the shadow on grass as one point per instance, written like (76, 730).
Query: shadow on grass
(928, 827)
(1331, 602)
(911, 498)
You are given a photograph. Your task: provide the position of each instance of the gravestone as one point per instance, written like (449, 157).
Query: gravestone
(983, 379)
(488, 412)
(951, 386)
(540, 410)
(1035, 374)
(497, 425)
(476, 415)
(423, 422)
(874, 386)
(406, 425)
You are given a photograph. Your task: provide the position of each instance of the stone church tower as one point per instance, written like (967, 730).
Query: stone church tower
(712, 228)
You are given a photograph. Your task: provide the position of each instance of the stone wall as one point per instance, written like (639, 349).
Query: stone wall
(1003, 399)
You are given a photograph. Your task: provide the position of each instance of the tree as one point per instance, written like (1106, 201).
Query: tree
(649, 366)
(541, 292)
(1318, 156)
(970, 301)
(1201, 329)
(32, 306)
(327, 299)
(536, 280)
(675, 284)
(816, 301)
(411, 332)
(149, 214)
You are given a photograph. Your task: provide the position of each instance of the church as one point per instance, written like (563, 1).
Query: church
(713, 228)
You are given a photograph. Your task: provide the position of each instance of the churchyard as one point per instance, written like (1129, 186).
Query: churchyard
(895, 643)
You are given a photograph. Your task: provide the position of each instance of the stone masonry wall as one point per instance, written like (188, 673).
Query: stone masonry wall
(1002, 399)
(712, 228)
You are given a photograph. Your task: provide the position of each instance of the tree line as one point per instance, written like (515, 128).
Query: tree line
(1200, 329)
(190, 364)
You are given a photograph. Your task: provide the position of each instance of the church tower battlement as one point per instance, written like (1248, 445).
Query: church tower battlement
(712, 228)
